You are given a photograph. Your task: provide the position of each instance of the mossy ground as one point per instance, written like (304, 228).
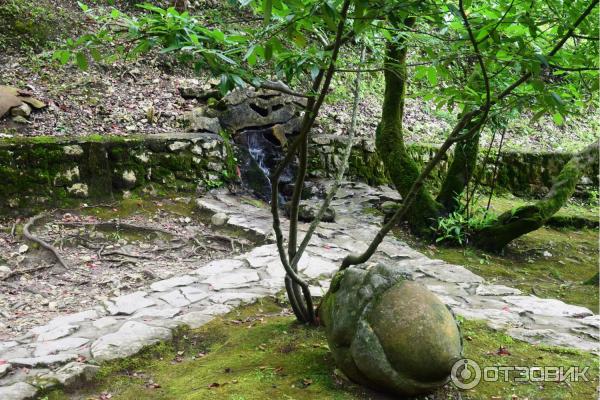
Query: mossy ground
(548, 262)
(260, 352)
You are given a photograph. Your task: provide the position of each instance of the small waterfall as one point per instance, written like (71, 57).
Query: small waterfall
(259, 153)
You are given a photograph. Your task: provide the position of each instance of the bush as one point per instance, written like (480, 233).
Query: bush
(27, 24)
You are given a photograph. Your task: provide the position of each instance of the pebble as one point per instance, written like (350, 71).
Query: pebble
(219, 219)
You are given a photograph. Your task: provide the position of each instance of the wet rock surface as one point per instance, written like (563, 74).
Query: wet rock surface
(117, 328)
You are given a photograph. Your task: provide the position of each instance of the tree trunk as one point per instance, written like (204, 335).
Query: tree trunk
(180, 5)
(459, 173)
(390, 142)
(512, 225)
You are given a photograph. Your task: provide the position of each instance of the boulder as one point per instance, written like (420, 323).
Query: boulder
(197, 121)
(219, 219)
(308, 212)
(389, 333)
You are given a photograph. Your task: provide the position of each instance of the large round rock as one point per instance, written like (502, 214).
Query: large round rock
(389, 333)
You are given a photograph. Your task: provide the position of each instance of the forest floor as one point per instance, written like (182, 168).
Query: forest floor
(109, 250)
(142, 95)
(260, 352)
(260, 348)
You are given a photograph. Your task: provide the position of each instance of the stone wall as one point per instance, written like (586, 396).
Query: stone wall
(45, 172)
(50, 171)
(523, 174)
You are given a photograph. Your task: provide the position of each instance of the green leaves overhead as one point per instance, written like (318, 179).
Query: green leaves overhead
(294, 41)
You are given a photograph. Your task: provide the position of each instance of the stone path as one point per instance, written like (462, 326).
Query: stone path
(66, 349)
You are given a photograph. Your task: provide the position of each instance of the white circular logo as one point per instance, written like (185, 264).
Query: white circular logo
(465, 374)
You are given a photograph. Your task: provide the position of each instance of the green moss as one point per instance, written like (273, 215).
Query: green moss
(367, 167)
(256, 353)
(459, 172)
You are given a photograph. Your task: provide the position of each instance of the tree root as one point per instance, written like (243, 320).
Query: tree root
(42, 243)
(119, 225)
(25, 271)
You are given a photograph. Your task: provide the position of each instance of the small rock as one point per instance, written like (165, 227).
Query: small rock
(73, 150)
(129, 179)
(219, 219)
(547, 254)
(178, 146)
(24, 110)
(4, 368)
(20, 120)
(389, 207)
(4, 270)
(23, 248)
(78, 190)
(308, 212)
(195, 121)
(17, 391)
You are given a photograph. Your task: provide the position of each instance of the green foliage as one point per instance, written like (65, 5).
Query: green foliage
(294, 43)
(457, 226)
(231, 167)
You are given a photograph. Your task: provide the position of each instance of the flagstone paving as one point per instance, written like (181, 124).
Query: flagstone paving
(66, 349)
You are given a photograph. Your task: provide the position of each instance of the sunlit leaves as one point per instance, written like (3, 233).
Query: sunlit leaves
(293, 42)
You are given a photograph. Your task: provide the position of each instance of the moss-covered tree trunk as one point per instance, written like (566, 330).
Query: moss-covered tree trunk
(390, 141)
(513, 224)
(459, 173)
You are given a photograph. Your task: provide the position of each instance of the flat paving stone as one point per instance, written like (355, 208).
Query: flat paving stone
(549, 307)
(157, 312)
(195, 319)
(18, 391)
(230, 280)
(7, 345)
(104, 322)
(216, 309)
(219, 267)
(175, 298)
(194, 294)
(167, 284)
(73, 374)
(4, 368)
(128, 340)
(552, 337)
(495, 290)
(318, 266)
(66, 320)
(43, 361)
(450, 273)
(234, 298)
(129, 303)
(65, 345)
(57, 333)
(592, 320)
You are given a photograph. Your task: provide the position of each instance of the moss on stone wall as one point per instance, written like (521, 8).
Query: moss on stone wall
(52, 171)
(522, 174)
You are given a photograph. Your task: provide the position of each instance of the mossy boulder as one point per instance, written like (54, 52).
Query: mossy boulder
(389, 333)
